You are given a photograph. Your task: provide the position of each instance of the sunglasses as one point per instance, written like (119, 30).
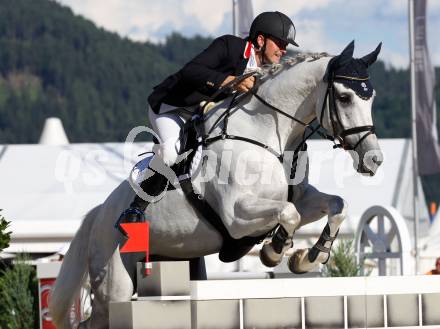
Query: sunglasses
(280, 43)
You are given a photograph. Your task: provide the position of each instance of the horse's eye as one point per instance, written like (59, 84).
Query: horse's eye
(344, 98)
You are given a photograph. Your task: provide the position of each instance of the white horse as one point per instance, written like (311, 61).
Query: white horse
(250, 189)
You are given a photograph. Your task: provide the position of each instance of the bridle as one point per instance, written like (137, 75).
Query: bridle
(334, 117)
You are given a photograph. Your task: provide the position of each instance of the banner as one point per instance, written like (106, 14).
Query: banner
(428, 150)
(45, 286)
(244, 15)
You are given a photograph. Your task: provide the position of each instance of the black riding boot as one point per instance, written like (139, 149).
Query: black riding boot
(153, 186)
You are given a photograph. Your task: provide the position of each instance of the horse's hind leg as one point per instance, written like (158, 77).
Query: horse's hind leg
(268, 213)
(85, 324)
(197, 269)
(313, 206)
(110, 283)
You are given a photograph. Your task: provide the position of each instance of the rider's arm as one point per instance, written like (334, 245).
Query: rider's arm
(201, 71)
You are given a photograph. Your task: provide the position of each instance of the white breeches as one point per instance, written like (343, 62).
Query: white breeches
(167, 126)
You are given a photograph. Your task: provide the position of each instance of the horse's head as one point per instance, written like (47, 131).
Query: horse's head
(345, 110)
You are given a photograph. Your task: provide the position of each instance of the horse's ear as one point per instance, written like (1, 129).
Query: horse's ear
(372, 57)
(347, 54)
(343, 58)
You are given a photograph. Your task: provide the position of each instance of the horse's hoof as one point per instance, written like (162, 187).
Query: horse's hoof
(294, 261)
(269, 257)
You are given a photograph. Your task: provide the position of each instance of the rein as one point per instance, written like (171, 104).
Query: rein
(333, 115)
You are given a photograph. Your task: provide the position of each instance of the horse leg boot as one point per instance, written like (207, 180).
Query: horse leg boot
(272, 252)
(307, 259)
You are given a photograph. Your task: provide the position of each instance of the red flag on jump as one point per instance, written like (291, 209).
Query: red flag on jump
(138, 239)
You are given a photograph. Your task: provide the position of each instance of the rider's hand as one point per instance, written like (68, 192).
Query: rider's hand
(227, 80)
(245, 85)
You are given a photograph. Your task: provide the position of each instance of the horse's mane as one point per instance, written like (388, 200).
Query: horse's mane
(288, 62)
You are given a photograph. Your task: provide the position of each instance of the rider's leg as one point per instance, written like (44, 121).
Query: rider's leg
(167, 126)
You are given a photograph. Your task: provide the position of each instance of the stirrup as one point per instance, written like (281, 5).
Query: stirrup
(129, 215)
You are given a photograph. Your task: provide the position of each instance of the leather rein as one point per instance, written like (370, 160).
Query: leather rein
(334, 117)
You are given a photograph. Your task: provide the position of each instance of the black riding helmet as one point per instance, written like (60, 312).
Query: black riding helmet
(273, 23)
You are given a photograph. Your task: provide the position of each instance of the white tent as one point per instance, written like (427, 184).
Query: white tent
(53, 133)
(431, 244)
(332, 172)
(45, 190)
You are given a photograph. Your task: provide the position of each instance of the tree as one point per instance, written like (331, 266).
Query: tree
(5, 237)
(343, 261)
(17, 291)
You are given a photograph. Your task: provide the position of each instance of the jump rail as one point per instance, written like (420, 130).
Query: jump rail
(360, 302)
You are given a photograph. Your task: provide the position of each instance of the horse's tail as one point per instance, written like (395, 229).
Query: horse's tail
(72, 274)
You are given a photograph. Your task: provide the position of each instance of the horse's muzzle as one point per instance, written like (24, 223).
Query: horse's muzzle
(370, 165)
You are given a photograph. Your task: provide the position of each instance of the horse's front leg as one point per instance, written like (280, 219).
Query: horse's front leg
(313, 206)
(266, 213)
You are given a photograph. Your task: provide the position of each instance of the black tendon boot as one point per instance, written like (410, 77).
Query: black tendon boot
(153, 186)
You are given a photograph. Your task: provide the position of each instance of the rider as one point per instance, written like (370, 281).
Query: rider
(225, 58)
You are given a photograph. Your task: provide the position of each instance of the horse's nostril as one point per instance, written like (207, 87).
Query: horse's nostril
(376, 160)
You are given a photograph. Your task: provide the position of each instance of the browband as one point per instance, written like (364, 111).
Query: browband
(350, 78)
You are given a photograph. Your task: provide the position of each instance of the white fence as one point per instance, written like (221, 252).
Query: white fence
(361, 302)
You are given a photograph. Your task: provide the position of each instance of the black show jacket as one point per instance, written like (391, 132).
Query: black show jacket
(202, 76)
